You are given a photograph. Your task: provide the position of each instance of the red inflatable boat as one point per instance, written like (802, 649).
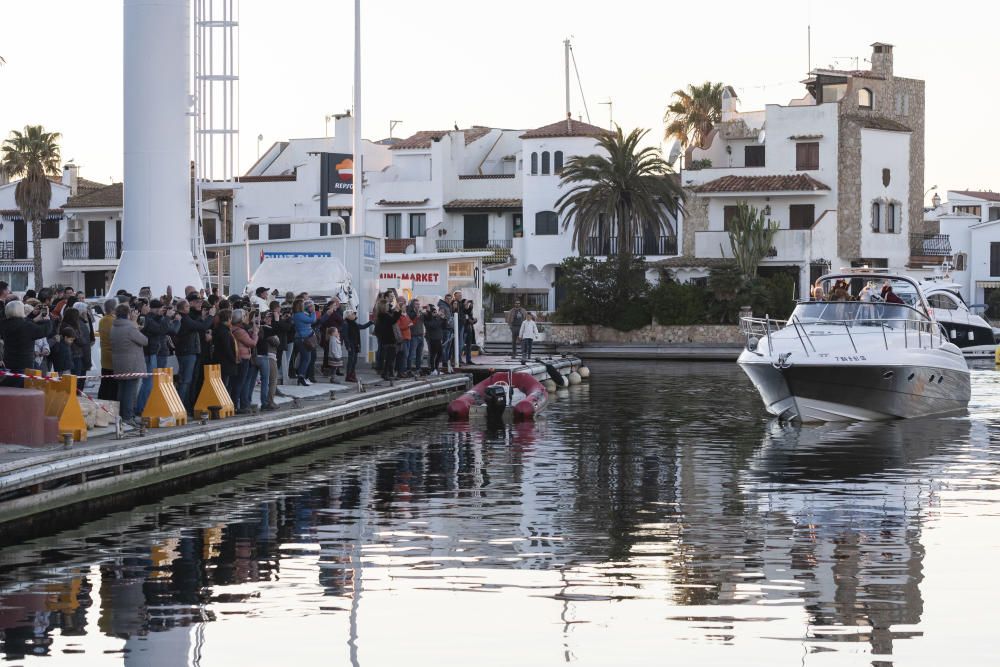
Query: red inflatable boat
(503, 395)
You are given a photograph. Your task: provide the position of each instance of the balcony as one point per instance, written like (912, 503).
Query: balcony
(499, 248)
(929, 249)
(789, 245)
(399, 245)
(82, 250)
(13, 250)
(648, 246)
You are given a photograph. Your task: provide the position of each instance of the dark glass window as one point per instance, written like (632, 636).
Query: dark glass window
(418, 225)
(753, 156)
(534, 163)
(277, 232)
(545, 162)
(253, 232)
(546, 223)
(558, 164)
(393, 225)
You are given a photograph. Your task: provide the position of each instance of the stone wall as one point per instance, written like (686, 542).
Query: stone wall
(572, 334)
(695, 220)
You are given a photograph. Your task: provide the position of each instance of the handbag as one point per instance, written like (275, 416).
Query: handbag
(310, 342)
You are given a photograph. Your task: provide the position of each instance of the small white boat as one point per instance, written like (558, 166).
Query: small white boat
(856, 360)
(969, 331)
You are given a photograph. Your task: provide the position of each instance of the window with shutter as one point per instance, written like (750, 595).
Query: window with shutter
(994, 259)
(753, 156)
(801, 216)
(807, 156)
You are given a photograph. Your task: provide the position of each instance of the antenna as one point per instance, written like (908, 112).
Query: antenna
(578, 82)
(809, 47)
(569, 113)
(611, 114)
(392, 126)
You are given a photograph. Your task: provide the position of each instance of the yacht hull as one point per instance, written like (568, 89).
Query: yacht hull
(819, 392)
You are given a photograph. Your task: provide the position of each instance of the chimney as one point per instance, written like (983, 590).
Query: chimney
(882, 59)
(70, 177)
(730, 102)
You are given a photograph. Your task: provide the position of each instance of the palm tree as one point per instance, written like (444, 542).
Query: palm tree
(626, 192)
(32, 156)
(693, 113)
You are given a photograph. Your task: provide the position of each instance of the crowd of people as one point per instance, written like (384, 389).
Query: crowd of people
(260, 337)
(841, 291)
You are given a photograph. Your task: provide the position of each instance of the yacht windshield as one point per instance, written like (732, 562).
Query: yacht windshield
(857, 313)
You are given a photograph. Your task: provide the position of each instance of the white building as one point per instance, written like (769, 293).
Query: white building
(490, 191)
(16, 248)
(969, 226)
(840, 170)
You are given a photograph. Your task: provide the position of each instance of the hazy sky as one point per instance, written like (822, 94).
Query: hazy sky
(437, 62)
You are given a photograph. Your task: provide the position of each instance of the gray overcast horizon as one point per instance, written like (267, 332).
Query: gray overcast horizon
(441, 62)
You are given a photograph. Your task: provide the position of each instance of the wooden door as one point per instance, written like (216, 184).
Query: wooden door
(477, 231)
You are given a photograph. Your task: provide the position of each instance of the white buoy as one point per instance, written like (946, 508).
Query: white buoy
(574, 378)
(584, 372)
(550, 386)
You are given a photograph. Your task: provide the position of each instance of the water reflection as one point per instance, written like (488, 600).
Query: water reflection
(656, 506)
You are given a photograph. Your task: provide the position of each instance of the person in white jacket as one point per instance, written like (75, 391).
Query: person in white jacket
(259, 300)
(527, 335)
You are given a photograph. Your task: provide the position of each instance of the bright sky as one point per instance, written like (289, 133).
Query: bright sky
(437, 62)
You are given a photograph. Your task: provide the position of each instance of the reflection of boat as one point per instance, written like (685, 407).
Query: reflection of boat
(866, 360)
(966, 329)
(503, 395)
(813, 453)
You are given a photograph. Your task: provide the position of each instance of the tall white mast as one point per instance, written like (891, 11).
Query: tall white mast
(357, 200)
(569, 112)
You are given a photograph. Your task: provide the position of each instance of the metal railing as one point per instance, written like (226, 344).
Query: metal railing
(919, 334)
(87, 250)
(12, 250)
(930, 245)
(500, 249)
(604, 247)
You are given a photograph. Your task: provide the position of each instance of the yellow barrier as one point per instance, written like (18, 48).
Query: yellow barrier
(164, 407)
(61, 401)
(213, 392)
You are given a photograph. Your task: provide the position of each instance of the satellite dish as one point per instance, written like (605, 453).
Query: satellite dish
(760, 136)
(675, 152)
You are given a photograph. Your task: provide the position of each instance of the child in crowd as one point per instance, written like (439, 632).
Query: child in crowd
(336, 352)
(61, 352)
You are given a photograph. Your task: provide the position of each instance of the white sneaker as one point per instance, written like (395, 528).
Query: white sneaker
(434, 373)
(308, 383)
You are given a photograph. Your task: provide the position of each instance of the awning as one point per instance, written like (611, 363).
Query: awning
(989, 284)
(17, 268)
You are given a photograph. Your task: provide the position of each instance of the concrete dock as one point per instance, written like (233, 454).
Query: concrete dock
(43, 484)
(53, 485)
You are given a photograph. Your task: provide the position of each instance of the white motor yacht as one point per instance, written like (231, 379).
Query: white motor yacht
(882, 357)
(966, 329)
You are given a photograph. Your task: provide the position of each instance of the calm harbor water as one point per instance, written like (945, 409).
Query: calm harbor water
(655, 516)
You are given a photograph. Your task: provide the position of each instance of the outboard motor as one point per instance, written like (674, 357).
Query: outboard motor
(496, 402)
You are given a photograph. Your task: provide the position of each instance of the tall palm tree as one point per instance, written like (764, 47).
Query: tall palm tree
(626, 192)
(693, 113)
(32, 156)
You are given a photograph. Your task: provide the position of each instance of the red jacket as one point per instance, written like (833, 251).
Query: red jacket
(404, 325)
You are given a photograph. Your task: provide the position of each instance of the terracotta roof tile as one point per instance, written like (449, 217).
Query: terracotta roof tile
(401, 202)
(793, 182)
(109, 196)
(565, 128)
(686, 262)
(979, 194)
(483, 177)
(424, 138)
(483, 204)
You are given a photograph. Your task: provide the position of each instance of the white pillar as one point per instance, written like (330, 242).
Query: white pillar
(156, 223)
